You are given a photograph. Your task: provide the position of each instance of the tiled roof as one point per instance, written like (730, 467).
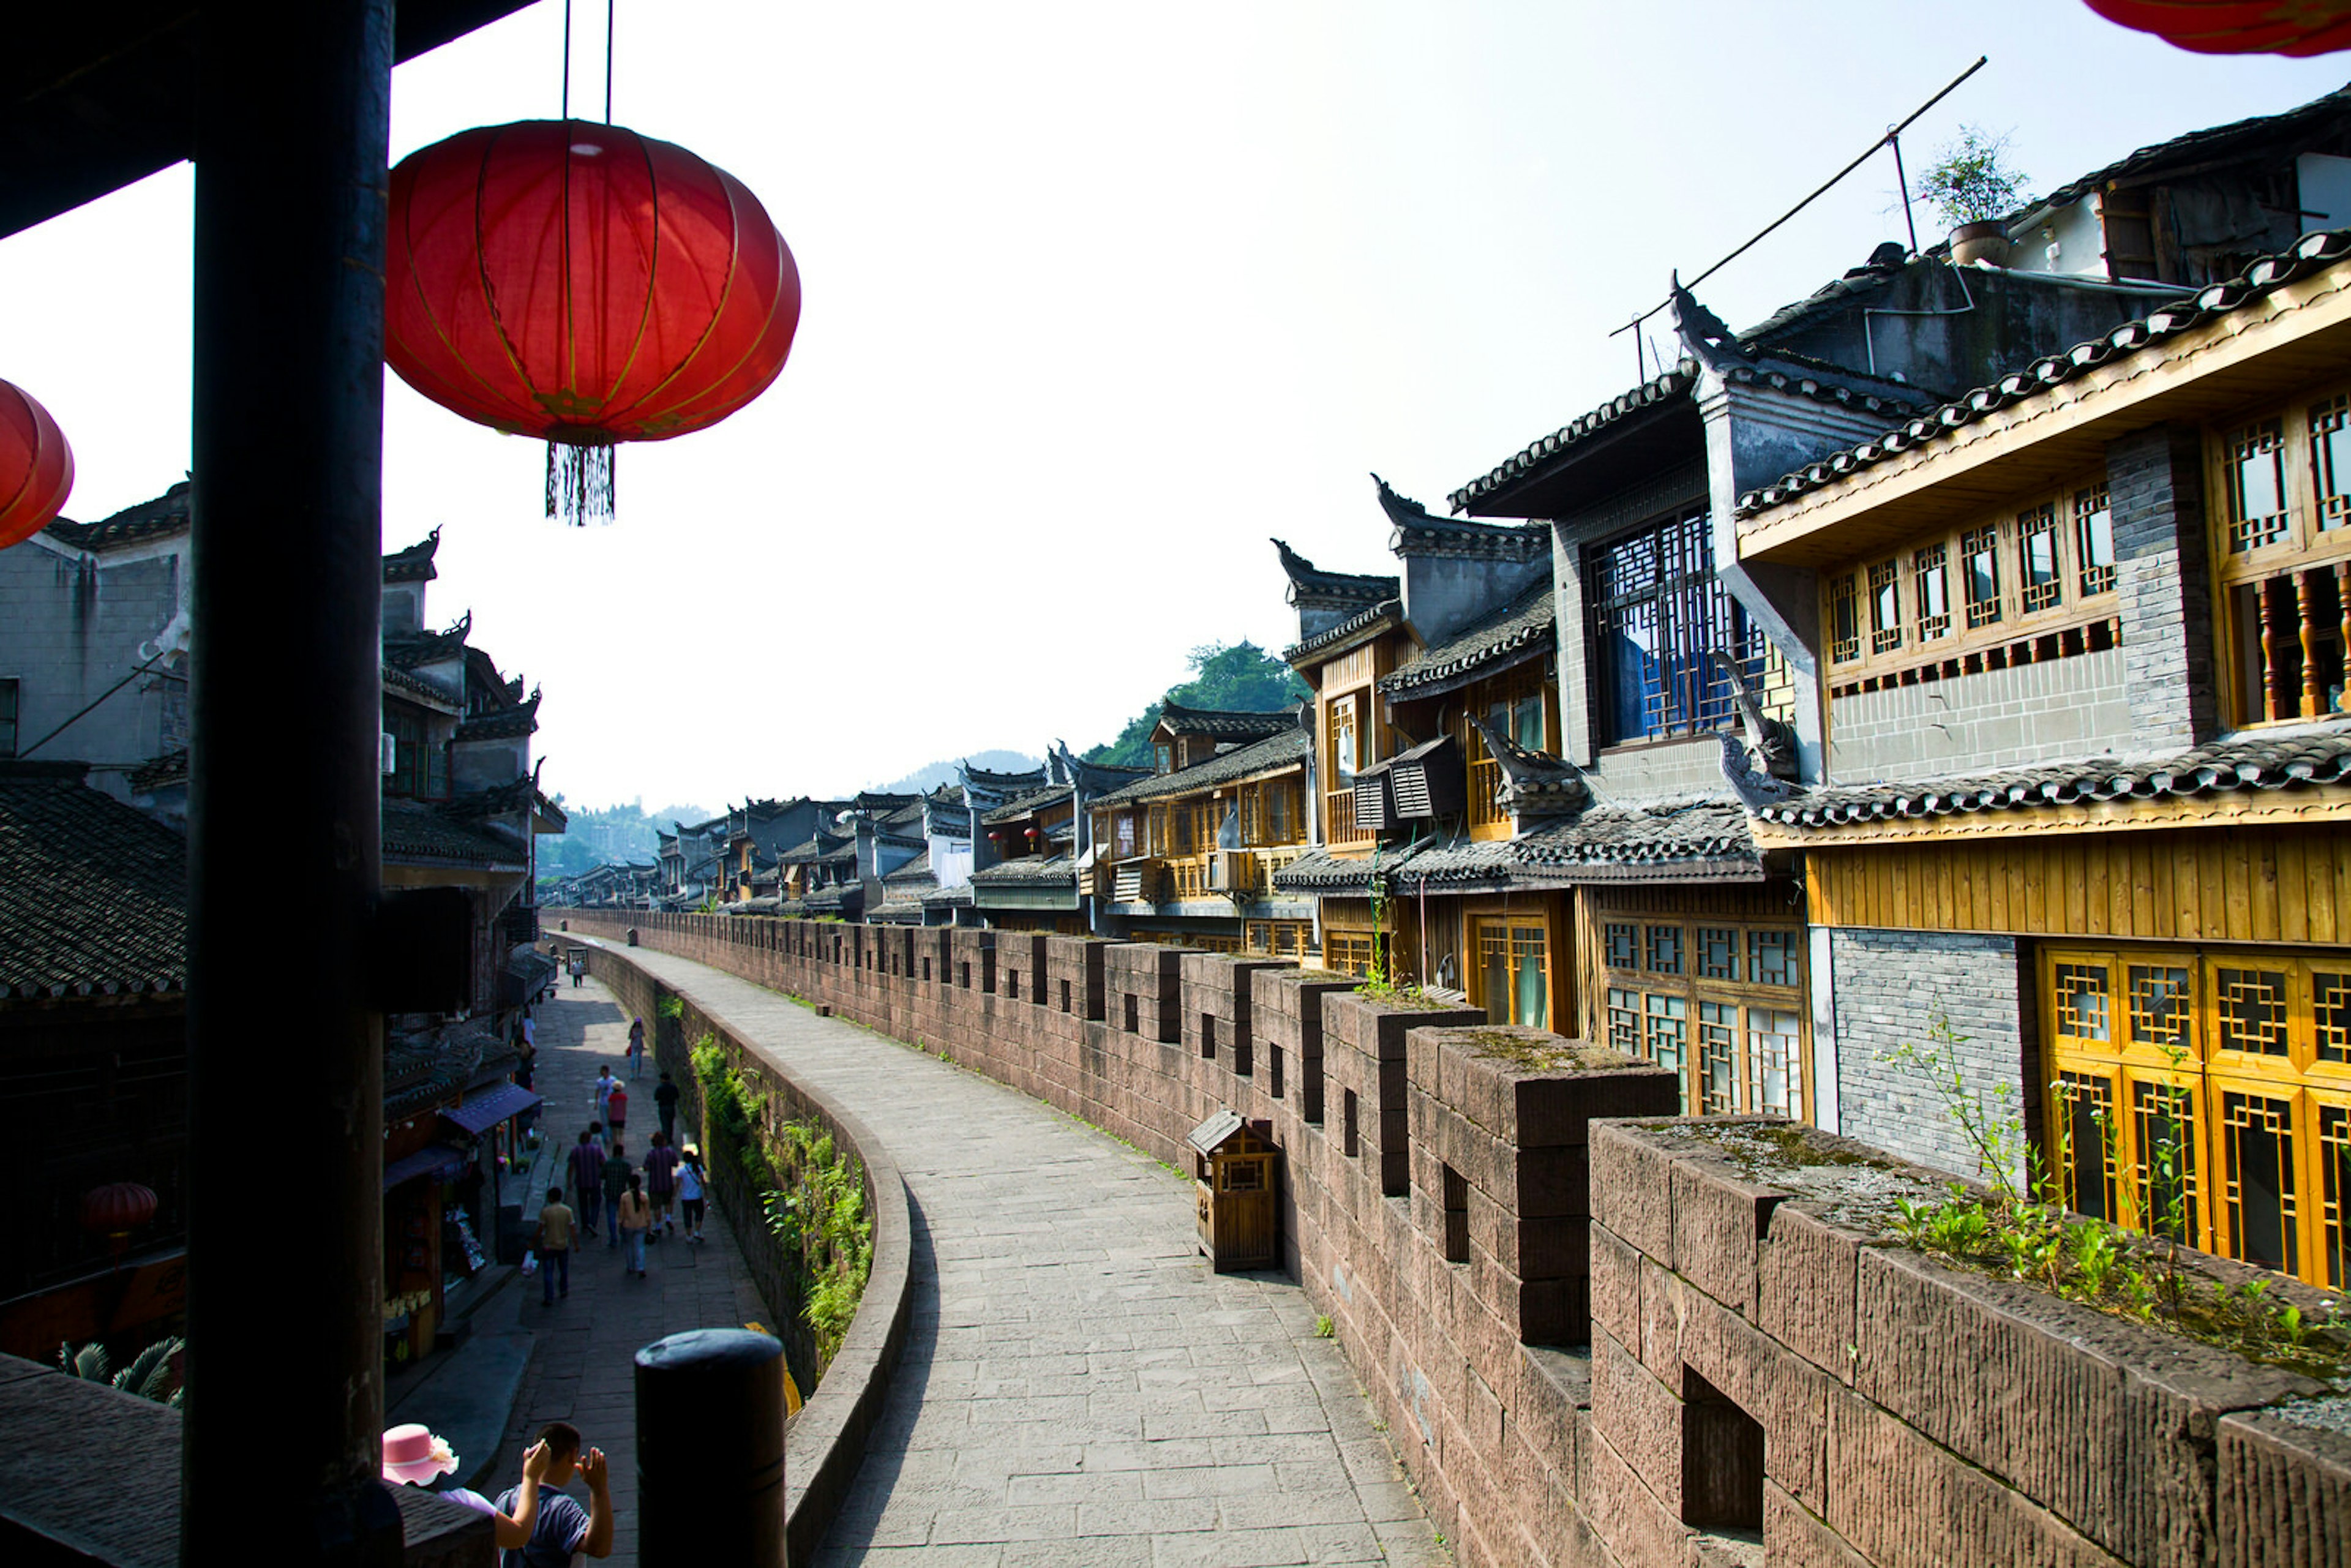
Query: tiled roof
(1417, 532)
(504, 725)
(1224, 723)
(413, 564)
(1034, 870)
(93, 895)
(914, 872)
(160, 772)
(2249, 763)
(1319, 871)
(2195, 148)
(1309, 582)
(1524, 624)
(896, 912)
(1687, 841)
(428, 647)
(398, 682)
(2313, 253)
(415, 833)
(1026, 803)
(166, 514)
(1331, 636)
(958, 897)
(1290, 747)
(1672, 386)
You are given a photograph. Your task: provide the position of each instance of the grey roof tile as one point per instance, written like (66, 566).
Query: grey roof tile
(1522, 627)
(1287, 749)
(93, 894)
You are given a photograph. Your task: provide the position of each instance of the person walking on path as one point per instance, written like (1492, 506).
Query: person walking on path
(555, 1222)
(588, 1179)
(616, 1116)
(617, 1175)
(690, 1178)
(636, 1219)
(604, 1087)
(562, 1528)
(637, 1049)
(661, 1183)
(665, 1105)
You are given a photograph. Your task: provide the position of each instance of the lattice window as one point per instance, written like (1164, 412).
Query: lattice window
(2083, 1007)
(1775, 1061)
(2330, 1015)
(1667, 1040)
(1718, 951)
(2257, 1179)
(2250, 1009)
(1665, 950)
(2086, 1141)
(1717, 1058)
(2164, 1138)
(1771, 957)
(2330, 461)
(1844, 619)
(2159, 1015)
(2255, 466)
(1980, 564)
(1625, 1021)
(1513, 984)
(2334, 1194)
(1661, 619)
(1931, 591)
(2094, 540)
(2038, 581)
(1884, 607)
(1624, 942)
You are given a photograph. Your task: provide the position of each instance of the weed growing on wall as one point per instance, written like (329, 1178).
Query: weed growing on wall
(2023, 1229)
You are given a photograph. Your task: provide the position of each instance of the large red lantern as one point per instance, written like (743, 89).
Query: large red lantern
(36, 470)
(2238, 26)
(117, 1209)
(585, 284)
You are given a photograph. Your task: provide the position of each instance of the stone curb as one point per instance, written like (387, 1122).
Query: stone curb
(826, 1442)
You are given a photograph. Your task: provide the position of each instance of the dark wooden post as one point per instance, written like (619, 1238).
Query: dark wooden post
(286, 1156)
(710, 1448)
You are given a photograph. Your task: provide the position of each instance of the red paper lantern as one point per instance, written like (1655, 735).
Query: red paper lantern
(37, 466)
(2238, 26)
(584, 285)
(117, 1209)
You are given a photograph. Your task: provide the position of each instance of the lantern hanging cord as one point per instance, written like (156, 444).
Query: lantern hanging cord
(609, 7)
(567, 61)
(1891, 138)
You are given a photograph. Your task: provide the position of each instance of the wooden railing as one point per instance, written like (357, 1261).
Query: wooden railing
(1485, 779)
(1339, 819)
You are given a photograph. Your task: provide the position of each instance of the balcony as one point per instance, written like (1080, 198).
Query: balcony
(1485, 780)
(1339, 819)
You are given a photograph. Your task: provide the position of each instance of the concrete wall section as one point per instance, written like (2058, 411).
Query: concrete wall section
(1889, 989)
(2061, 708)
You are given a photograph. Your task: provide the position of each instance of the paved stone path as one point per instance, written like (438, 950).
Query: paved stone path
(582, 1367)
(1078, 1387)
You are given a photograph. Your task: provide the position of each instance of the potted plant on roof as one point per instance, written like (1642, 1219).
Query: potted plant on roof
(1975, 188)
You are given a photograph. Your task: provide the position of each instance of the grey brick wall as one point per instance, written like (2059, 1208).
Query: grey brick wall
(69, 630)
(2155, 482)
(1999, 718)
(1889, 986)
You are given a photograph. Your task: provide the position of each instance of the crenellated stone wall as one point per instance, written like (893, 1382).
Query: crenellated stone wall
(1596, 1336)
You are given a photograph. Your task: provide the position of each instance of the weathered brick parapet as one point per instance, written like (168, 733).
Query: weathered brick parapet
(1611, 1341)
(1763, 1359)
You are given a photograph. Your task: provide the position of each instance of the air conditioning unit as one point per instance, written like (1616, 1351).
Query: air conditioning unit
(1428, 781)
(1375, 810)
(389, 752)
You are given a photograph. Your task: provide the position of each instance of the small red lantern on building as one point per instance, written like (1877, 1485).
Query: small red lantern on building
(115, 1210)
(37, 466)
(585, 284)
(2238, 26)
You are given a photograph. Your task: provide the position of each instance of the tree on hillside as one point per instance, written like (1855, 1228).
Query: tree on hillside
(1239, 677)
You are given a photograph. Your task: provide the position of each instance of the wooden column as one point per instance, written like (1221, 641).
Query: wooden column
(2306, 601)
(285, 1364)
(2272, 688)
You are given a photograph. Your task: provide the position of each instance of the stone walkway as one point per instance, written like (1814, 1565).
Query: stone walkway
(583, 1366)
(1077, 1388)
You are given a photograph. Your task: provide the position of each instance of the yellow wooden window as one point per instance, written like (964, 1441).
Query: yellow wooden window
(1719, 1003)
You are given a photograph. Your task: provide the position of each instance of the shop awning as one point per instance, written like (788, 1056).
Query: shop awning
(486, 1108)
(439, 1162)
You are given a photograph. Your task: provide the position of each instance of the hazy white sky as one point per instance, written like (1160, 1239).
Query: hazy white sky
(1098, 296)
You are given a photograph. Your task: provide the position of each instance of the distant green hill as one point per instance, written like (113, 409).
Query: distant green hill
(607, 835)
(1240, 677)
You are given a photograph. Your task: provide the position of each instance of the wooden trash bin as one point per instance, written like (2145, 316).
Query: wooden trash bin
(1236, 1171)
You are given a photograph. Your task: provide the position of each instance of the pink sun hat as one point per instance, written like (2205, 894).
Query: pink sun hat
(414, 1454)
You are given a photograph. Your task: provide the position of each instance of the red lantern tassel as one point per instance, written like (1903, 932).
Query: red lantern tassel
(579, 483)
